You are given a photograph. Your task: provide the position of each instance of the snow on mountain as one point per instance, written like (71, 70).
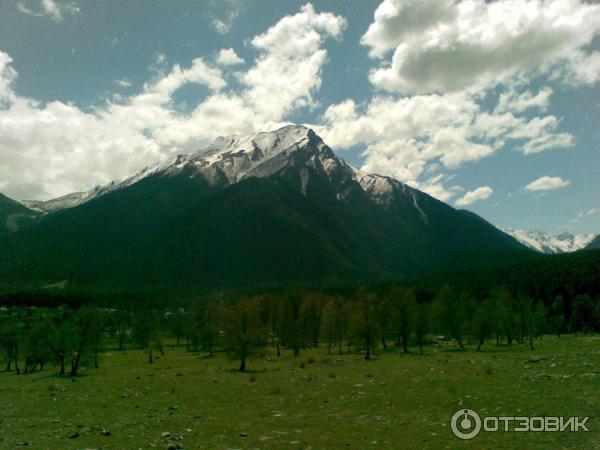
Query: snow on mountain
(230, 159)
(234, 156)
(78, 198)
(257, 146)
(550, 243)
(382, 188)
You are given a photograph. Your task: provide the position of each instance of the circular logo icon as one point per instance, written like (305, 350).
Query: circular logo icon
(465, 424)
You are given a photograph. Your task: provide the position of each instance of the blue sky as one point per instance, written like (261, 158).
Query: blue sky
(490, 106)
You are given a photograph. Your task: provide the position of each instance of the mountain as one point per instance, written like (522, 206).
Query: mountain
(14, 215)
(275, 207)
(594, 245)
(549, 243)
(77, 198)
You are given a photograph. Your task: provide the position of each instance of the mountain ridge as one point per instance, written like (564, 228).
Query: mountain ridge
(269, 208)
(238, 157)
(550, 243)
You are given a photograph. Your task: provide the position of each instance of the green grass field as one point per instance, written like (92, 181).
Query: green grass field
(316, 401)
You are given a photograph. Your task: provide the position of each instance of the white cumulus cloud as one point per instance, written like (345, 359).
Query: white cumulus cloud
(403, 137)
(228, 57)
(458, 76)
(397, 21)
(517, 102)
(547, 183)
(291, 55)
(481, 193)
(440, 46)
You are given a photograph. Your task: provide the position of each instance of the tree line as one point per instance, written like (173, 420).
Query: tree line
(364, 322)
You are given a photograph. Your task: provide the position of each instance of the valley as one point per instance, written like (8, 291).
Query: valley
(317, 400)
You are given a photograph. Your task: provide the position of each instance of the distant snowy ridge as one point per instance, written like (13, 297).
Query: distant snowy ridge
(550, 243)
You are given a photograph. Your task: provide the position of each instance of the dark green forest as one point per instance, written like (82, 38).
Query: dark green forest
(488, 303)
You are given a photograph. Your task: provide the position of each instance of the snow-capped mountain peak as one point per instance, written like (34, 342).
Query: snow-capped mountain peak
(230, 151)
(231, 159)
(267, 144)
(259, 154)
(550, 243)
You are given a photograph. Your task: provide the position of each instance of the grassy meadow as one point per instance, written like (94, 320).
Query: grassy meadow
(316, 401)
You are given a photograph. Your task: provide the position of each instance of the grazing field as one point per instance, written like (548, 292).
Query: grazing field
(317, 401)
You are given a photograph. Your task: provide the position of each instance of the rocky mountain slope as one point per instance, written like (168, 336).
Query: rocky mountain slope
(262, 209)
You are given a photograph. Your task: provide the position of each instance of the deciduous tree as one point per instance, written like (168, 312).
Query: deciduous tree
(364, 325)
(244, 332)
